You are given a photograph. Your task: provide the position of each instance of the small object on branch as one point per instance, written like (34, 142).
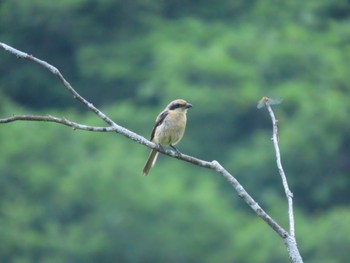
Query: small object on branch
(264, 100)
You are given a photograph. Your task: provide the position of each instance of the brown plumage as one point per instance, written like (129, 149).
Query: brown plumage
(169, 129)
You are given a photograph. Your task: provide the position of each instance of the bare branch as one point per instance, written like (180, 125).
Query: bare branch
(57, 73)
(288, 193)
(267, 102)
(249, 200)
(113, 127)
(49, 118)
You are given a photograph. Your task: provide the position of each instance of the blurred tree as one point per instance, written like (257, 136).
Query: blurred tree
(61, 203)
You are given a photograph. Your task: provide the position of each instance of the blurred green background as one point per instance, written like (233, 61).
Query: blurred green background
(75, 196)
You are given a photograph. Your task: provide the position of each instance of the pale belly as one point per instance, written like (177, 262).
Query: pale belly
(169, 134)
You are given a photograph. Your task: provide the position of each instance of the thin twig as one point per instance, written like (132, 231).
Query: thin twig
(288, 193)
(266, 102)
(289, 240)
(57, 73)
(64, 121)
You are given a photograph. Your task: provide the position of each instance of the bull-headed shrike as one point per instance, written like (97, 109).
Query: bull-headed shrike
(168, 130)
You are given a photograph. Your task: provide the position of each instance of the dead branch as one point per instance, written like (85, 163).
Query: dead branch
(288, 238)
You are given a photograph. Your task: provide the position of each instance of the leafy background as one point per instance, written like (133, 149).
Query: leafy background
(72, 196)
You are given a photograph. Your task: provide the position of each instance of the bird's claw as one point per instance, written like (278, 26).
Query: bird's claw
(178, 154)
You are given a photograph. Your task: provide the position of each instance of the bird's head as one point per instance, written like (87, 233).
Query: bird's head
(179, 105)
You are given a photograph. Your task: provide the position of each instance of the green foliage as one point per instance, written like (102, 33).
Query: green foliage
(326, 238)
(78, 197)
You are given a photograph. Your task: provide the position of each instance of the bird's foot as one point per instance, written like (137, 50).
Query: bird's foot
(176, 150)
(161, 147)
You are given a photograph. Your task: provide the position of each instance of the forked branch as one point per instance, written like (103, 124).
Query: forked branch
(288, 238)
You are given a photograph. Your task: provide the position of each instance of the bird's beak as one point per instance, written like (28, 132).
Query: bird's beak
(188, 105)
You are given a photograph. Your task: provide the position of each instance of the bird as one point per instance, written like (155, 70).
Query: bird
(168, 129)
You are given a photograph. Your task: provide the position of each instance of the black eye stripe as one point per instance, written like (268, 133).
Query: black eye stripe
(175, 106)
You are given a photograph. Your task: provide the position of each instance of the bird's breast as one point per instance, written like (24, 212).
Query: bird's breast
(171, 131)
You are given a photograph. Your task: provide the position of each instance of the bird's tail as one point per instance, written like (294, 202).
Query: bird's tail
(150, 162)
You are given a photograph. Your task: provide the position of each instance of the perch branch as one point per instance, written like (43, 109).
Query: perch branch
(289, 241)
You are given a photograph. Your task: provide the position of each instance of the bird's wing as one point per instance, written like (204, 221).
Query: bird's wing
(159, 121)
